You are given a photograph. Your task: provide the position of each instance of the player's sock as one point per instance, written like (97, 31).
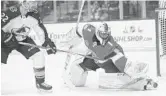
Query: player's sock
(40, 79)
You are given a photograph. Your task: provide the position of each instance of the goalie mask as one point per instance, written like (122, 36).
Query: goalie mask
(103, 33)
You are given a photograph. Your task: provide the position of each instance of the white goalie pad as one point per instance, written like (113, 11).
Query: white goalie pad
(111, 80)
(136, 69)
(76, 59)
(73, 73)
(78, 76)
(118, 81)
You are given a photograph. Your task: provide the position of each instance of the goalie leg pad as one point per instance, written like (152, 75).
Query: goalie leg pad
(111, 80)
(78, 75)
(133, 69)
(136, 69)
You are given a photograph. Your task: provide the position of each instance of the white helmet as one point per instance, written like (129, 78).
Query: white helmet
(30, 6)
(103, 33)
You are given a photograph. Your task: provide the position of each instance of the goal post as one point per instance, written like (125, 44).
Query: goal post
(160, 35)
(161, 29)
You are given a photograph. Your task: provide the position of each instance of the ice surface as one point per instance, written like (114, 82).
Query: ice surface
(18, 80)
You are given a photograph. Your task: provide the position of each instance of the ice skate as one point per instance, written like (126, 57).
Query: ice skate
(43, 87)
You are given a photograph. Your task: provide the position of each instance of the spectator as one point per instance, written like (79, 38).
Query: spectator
(96, 11)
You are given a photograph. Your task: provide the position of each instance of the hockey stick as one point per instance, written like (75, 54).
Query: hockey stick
(79, 17)
(37, 46)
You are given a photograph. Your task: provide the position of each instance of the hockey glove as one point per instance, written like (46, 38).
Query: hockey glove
(9, 40)
(49, 43)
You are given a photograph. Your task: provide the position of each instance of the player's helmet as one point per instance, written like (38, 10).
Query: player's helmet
(30, 6)
(103, 32)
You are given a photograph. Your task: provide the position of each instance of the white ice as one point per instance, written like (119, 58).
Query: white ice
(17, 79)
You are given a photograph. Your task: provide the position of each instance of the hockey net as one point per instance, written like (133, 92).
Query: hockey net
(161, 28)
(161, 32)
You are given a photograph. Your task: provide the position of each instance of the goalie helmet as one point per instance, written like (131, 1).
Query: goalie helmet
(103, 33)
(29, 6)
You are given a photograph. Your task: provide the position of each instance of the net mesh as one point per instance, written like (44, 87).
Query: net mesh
(162, 27)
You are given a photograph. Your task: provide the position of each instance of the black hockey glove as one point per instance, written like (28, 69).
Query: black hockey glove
(49, 43)
(8, 40)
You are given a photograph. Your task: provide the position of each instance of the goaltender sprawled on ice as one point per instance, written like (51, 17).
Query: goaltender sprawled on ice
(102, 52)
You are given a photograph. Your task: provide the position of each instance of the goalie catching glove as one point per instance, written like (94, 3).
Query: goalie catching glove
(49, 43)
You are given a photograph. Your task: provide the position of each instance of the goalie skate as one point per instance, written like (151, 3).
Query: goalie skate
(141, 84)
(150, 84)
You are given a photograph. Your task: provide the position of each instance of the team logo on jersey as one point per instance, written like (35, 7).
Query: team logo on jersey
(23, 29)
(13, 9)
(21, 33)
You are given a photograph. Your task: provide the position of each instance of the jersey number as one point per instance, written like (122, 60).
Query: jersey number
(4, 17)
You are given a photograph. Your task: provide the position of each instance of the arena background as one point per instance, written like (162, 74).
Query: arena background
(132, 24)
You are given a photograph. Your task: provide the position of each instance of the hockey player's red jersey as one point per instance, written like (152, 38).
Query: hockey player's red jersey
(98, 50)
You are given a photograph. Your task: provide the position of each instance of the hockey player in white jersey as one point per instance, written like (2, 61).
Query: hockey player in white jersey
(108, 55)
(17, 22)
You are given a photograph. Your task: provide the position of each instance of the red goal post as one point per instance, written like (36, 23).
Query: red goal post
(160, 35)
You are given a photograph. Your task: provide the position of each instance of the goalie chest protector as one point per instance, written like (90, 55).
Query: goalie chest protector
(91, 41)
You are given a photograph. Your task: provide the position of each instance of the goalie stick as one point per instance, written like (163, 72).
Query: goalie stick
(32, 45)
(79, 17)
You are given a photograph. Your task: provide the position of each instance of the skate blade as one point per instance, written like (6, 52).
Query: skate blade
(42, 91)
